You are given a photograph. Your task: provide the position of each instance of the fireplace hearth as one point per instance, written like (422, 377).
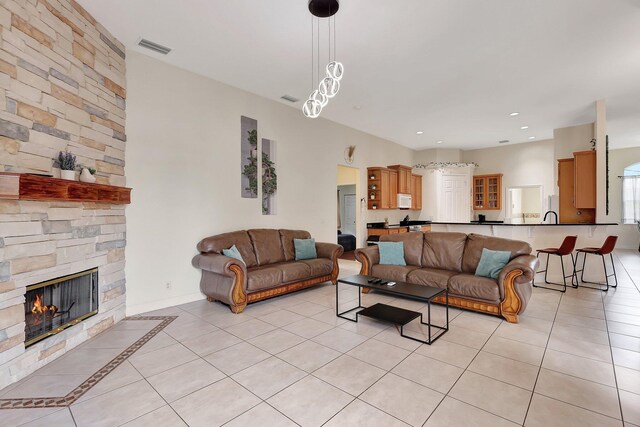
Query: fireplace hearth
(56, 304)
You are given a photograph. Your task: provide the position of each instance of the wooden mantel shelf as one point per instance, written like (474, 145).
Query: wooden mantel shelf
(19, 186)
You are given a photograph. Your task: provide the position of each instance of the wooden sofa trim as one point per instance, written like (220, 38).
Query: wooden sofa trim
(508, 308)
(240, 298)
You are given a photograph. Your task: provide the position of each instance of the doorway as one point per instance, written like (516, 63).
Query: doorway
(348, 212)
(456, 203)
(524, 204)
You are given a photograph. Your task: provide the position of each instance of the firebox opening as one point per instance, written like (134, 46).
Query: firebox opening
(56, 304)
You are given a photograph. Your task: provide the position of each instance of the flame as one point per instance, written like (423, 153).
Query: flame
(40, 308)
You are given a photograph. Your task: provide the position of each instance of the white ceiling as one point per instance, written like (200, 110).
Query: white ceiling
(454, 69)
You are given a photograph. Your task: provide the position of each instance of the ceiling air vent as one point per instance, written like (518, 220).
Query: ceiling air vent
(289, 98)
(154, 46)
(503, 141)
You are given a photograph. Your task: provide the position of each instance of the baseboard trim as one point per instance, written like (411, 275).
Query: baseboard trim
(163, 303)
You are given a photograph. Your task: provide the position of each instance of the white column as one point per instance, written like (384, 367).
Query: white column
(600, 133)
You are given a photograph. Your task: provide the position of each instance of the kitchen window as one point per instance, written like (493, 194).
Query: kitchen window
(631, 195)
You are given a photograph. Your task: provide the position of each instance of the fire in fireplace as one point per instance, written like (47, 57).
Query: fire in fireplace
(56, 304)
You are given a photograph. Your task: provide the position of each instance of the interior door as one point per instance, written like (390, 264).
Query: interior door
(456, 206)
(349, 225)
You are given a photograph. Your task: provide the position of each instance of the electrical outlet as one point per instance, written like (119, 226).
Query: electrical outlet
(168, 285)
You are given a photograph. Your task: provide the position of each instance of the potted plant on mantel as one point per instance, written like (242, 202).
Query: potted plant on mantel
(88, 174)
(67, 165)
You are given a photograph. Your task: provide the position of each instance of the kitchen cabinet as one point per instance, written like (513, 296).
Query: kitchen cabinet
(416, 192)
(404, 178)
(393, 230)
(585, 179)
(487, 192)
(576, 188)
(382, 188)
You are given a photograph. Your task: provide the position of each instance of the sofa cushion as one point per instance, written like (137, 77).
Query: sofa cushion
(476, 242)
(241, 239)
(233, 253)
(319, 266)
(444, 251)
(305, 249)
(391, 253)
(471, 286)
(413, 243)
(392, 272)
(294, 271)
(267, 245)
(430, 277)
(264, 277)
(286, 238)
(492, 262)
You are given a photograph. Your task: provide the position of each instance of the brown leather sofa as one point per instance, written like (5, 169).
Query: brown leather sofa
(269, 268)
(449, 260)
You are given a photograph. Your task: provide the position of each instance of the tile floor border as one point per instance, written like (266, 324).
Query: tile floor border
(95, 378)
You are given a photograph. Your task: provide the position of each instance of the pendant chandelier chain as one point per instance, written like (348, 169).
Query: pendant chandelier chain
(312, 58)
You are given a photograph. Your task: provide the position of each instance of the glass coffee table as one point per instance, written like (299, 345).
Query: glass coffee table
(396, 315)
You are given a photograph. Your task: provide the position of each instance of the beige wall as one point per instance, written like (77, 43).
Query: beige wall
(183, 159)
(628, 235)
(531, 163)
(573, 138)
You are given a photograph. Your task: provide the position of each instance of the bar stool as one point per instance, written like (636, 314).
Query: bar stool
(568, 244)
(607, 248)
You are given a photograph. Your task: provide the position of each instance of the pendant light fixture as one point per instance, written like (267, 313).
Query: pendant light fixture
(329, 85)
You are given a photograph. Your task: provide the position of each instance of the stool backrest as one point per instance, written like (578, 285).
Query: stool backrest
(568, 245)
(609, 245)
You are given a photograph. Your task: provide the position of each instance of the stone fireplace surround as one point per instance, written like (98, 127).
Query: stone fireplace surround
(60, 238)
(62, 87)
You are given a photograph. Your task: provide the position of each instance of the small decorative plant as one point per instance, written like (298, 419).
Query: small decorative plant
(250, 170)
(67, 161)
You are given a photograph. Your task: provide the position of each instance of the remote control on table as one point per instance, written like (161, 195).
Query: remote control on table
(391, 283)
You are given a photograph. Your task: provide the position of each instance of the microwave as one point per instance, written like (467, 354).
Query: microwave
(404, 201)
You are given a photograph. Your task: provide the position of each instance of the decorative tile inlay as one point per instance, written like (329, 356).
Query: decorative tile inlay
(71, 397)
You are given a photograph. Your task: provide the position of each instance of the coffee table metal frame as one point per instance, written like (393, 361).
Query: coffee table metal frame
(396, 315)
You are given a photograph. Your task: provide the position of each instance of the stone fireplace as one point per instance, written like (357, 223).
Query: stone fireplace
(54, 305)
(62, 87)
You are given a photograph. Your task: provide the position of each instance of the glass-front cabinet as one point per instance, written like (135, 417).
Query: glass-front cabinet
(487, 192)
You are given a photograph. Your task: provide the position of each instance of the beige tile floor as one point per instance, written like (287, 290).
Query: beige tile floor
(573, 360)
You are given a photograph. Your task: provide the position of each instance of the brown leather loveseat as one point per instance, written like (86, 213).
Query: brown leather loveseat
(449, 260)
(269, 268)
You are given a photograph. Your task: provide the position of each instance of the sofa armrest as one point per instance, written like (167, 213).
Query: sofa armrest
(219, 264)
(329, 250)
(528, 264)
(515, 282)
(368, 257)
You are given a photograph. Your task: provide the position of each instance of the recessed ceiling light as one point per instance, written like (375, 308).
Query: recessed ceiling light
(532, 137)
(524, 127)
(420, 132)
(357, 107)
(439, 142)
(515, 113)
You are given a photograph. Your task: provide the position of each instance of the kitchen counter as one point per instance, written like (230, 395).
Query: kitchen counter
(501, 224)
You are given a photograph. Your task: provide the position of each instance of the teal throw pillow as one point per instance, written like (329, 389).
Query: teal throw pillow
(391, 253)
(233, 252)
(491, 262)
(305, 249)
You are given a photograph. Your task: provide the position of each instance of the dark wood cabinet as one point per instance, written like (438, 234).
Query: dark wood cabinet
(577, 188)
(487, 192)
(382, 188)
(416, 192)
(404, 178)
